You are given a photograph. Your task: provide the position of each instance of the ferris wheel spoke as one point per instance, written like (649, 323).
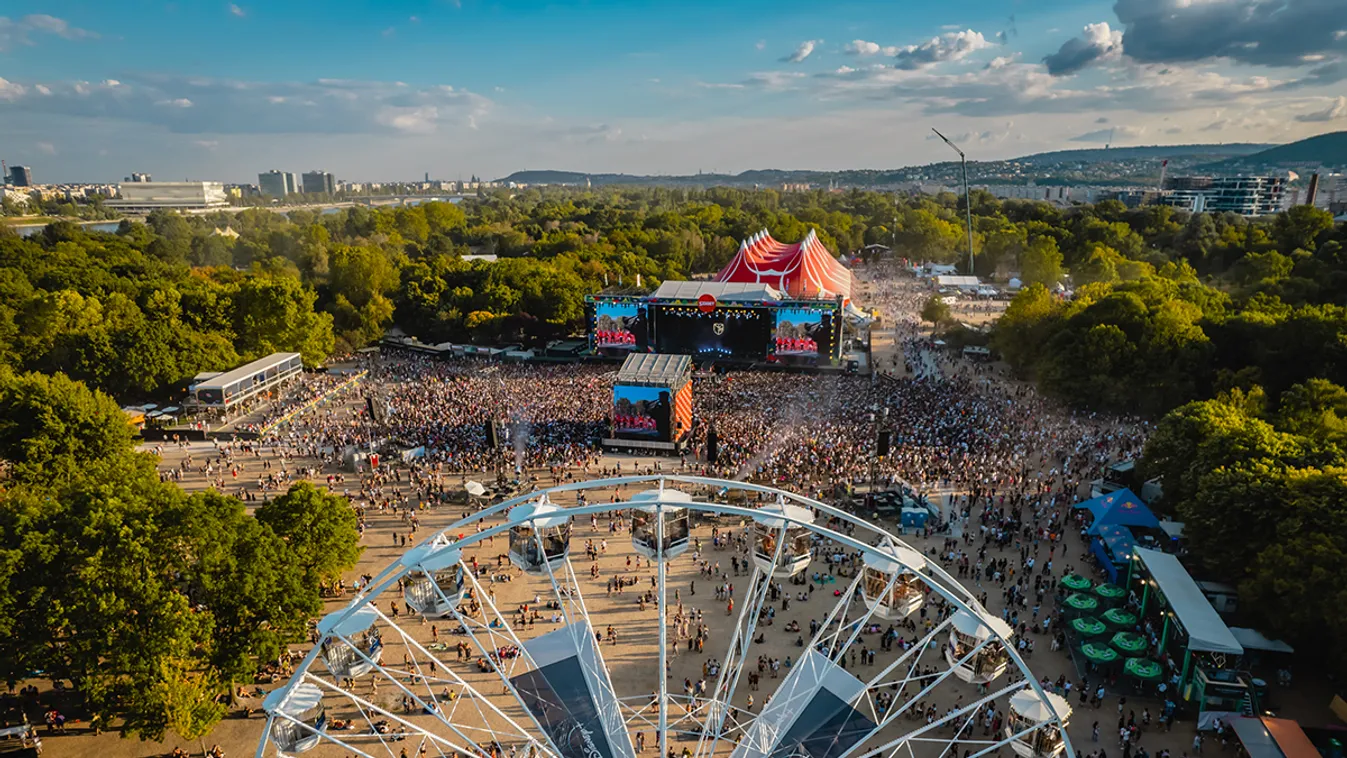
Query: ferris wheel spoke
(732, 667)
(366, 707)
(324, 735)
(468, 692)
(662, 579)
(897, 710)
(901, 741)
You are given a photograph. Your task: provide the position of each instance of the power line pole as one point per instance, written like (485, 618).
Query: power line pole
(968, 198)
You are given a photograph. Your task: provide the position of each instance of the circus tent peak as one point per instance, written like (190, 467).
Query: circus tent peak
(804, 269)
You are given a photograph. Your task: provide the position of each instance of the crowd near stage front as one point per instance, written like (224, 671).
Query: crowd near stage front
(726, 323)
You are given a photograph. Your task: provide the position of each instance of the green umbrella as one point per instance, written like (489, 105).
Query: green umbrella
(1089, 626)
(1075, 582)
(1120, 618)
(1142, 668)
(1096, 653)
(1129, 642)
(1081, 602)
(1110, 591)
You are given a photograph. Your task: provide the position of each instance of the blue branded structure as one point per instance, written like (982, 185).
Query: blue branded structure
(811, 715)
(569, 693)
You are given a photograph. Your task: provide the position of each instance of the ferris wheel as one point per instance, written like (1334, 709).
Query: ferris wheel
(520, 631)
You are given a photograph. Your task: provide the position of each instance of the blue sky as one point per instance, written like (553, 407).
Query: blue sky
(386, 90)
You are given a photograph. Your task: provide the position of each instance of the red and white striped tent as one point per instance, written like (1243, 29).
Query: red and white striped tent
(803, 270)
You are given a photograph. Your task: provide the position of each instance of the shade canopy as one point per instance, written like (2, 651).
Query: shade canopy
(1075, 582)
(475, 488)
(1119, 508)
(1110, 591)
(1097, 653)
(1119, 617)
(1082, 602)
(1129, 642)
(1143, 668)
(1089, 626)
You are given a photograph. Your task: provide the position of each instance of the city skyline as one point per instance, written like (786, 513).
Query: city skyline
(227, 91)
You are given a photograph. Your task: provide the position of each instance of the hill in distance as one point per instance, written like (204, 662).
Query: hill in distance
(1327, 150)
(1089, 165)
(1145, 152)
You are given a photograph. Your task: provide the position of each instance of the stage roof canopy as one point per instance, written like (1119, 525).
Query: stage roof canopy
(660, 370)
(729, 292)
(803, 270)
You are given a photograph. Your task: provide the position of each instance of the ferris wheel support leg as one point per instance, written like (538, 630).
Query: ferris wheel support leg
(914, 653)
(838, 614)
(366, 707)
(869, 612)
(663, 633)
(897, 711)
(477, 699)
(900, 742)
(421, 702)
(733, 665)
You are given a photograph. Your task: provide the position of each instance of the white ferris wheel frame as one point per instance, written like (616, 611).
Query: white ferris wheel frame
(718, 706)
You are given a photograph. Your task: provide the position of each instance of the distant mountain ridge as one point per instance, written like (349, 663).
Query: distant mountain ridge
(1120, 165)
(1144, 152)
(1327, 150)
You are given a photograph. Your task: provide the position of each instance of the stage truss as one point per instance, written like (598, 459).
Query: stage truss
(490, 683)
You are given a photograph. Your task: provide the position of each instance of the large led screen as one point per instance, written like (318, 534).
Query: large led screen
(804, 333)
(619, 325)
(642, 413)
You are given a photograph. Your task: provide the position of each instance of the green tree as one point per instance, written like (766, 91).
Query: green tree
(936, 311)
(50, 422)
(319, 527)
(1041, 262)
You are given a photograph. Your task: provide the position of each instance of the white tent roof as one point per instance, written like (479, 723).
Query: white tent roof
(1252, 639)
(1206, 631)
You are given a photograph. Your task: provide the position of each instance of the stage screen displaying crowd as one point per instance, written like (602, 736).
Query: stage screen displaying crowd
(642, 413)
(618, 325)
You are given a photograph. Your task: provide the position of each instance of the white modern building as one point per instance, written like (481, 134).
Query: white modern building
(1243, 195)
(143, 197)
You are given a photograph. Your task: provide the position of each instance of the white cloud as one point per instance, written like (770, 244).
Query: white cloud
(195, 105)
(862, 48)
(414, 19)
(1111, 135)
(1261, 32)
(952, 46)
(14, 33)
(207, 144)
(235, 10)
(1332, 113)
(805, 49)
(46, 148)
(1095, 44)
(760, 44)
(10, 91)
(389, 32)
